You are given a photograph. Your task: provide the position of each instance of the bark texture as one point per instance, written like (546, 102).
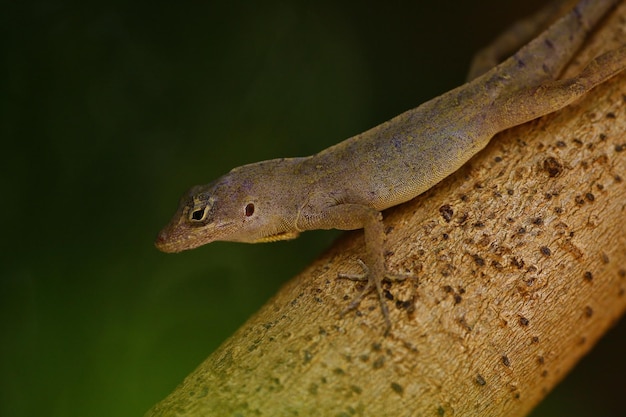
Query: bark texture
(520, 266)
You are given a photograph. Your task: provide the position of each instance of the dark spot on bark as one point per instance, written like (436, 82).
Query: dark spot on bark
(446, 212)
(588, 311)
(541, 360)
(558, 210)
(579, 200)
(457, 298)
(590, 197)
(464, 197)
(388, 295)
(478, 260)
(505, 361)
(356, 389)
(605, 258)
(377, 347)
(445, 236)
(479, 225)
(510, 191)
(440, 411)
(552, 166)
(519, 263)
(550, 45)
(480, 380)
(521, 230)
(534, 339)
(560, 144)
(397, 388)
(378, 363)
(538, 221)
(544, 373)
(498, 159)
(403, 304)
(588, 276)
(610, 115)
(497, 265)
(618, 178)
(524, 321)
(620, 147)
(622, 273)
(464, 324)
(546, 251)
(577, 142)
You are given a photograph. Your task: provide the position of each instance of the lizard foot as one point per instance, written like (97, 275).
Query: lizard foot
(373, 283)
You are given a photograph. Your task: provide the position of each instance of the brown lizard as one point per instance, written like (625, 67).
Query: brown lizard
(347, 185)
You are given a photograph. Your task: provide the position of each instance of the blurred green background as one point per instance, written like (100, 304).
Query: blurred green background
(110, 110)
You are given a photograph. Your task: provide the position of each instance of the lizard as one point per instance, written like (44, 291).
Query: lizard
(347, 185)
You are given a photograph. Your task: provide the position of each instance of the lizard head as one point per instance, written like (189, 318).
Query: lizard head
(245, 205)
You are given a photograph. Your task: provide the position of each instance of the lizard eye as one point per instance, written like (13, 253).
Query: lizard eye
(249, 209)
(198, 215)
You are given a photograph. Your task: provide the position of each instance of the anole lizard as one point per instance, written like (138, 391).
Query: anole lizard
(347, 185)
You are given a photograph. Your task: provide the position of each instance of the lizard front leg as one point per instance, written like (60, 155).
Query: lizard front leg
(356, 216)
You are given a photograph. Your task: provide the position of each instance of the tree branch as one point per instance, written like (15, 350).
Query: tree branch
(519, 258)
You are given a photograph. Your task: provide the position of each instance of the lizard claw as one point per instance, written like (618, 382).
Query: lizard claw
(373, 283)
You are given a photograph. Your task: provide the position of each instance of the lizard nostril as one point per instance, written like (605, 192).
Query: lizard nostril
(161, 238)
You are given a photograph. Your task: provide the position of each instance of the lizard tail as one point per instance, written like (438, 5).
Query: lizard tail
(545, 57)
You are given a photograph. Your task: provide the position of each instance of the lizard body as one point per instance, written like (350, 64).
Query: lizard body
(347, 185)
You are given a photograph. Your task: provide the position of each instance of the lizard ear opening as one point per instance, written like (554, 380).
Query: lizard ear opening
(249, 209)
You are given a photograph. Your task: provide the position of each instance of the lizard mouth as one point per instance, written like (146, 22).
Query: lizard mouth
(179, 237)
(164, 243)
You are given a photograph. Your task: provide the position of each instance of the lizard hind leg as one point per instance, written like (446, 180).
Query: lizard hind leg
(533, 102)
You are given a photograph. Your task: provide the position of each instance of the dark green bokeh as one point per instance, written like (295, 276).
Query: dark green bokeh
(111, 110)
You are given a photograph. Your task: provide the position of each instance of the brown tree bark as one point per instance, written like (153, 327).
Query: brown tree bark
(520, 265)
